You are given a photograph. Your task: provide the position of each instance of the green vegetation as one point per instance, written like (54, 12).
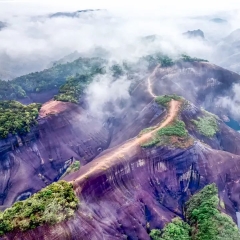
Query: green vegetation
(207, 126)
(165, 99)
(163, 136)
(159, 58)
(155, 234)
(117, 70)
(176, 129)
(166, 61)
(75, 166)
(51, 205)
(204, 220)
(71, 90)
(146, 130)
(176, 230)
(49, 78)
(16, 117)
(187, 58)
(74, 86)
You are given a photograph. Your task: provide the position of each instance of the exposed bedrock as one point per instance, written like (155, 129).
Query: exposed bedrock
(200, 82)
(141, 191)
(70, 131)
(64, 131)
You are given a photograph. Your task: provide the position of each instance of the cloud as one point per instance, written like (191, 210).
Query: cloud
(105, 94)
(232, 102)
(32, 40)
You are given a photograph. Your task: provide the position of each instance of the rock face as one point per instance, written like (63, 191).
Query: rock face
(41, 154)
(201, 83)
(64, 131)
(129, 190)
(68, 131)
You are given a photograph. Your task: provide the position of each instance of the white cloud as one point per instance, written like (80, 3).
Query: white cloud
(35, 41)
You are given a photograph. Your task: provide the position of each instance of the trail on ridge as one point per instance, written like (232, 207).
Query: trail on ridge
(150, 90)
(128, 148)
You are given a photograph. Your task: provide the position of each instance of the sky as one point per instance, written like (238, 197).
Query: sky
(182, 7)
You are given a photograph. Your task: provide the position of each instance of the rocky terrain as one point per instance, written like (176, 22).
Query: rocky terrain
(67, 130)
(128, 189)
(124, 188)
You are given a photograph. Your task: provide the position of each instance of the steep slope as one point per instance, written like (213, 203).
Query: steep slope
(129, 190)
(68, 131)
(200, 82)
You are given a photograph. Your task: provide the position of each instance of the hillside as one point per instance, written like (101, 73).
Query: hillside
(134, 188)
(149, 154)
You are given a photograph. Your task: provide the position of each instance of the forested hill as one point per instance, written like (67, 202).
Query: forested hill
(56, 76)
(47, 79)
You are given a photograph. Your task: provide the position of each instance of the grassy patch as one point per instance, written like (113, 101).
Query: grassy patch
(146, 130)
(51, 205)
(16, 117)
(165, 99)
(207, 126)
(174, 134)
(176, 129)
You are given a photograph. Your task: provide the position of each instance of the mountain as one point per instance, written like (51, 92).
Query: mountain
(72, 14)
(218, 20)
(2, 25)
(145, 181)
(67, 130)
(194, 34)
(230, 51)
(141, 160)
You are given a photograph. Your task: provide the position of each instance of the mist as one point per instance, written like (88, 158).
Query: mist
(33, 40)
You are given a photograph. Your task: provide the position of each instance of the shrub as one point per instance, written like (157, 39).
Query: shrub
(51, 205)
(163, 135)
(16, 117)
(176, 129)
(155, 234)
(207, 126)
(206, 221)
(75, 166)
(165, 99)
(187, 58)
(175, 230)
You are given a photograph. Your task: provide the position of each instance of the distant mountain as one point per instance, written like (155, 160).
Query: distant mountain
(96, 52)
(228, 51)
(2, 25)
(218, 20)
(72, 14)
(194, 34)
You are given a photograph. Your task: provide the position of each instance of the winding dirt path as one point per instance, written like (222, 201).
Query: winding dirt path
(128, 149)
(150, 90)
